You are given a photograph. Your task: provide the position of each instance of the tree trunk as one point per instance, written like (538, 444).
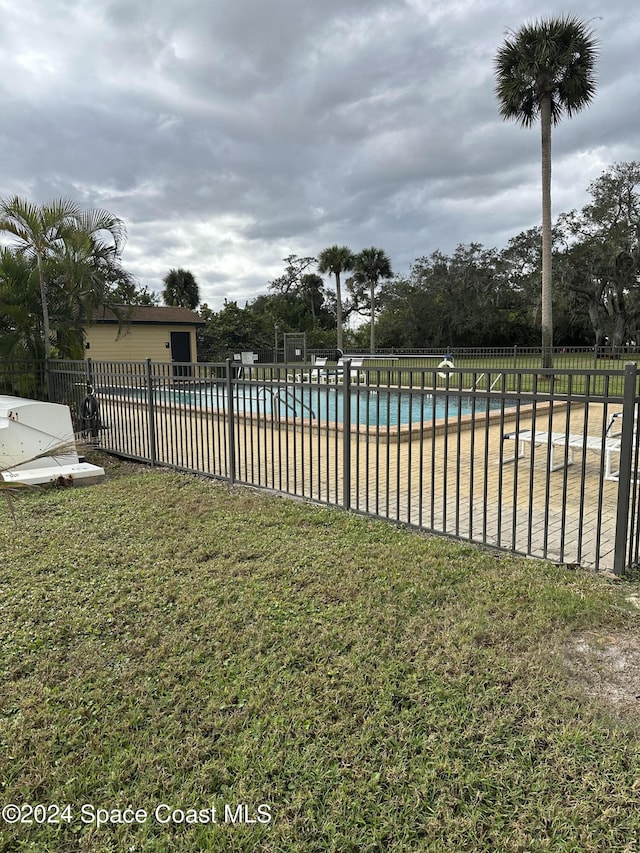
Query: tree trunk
(597, 324)
(619, 333)
(373, 319)
(338, 312)
(547, 292)
(46, 331)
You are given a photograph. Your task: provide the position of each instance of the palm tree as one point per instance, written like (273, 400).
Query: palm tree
(369, 266)
(84, 274)
(336, 260)
(181, 289)
(20, 315)
(546, 69)
(50, 235)
(38, 229)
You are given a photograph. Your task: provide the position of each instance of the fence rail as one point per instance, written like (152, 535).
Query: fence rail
(535, 462)
(516, 357)
(23, 378)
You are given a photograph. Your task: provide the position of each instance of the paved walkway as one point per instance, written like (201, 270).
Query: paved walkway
(456, 482)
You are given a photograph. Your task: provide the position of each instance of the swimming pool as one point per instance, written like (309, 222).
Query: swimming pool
(375, 407)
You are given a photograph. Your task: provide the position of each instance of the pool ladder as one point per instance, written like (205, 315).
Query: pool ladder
(474, 386)
(276, 396)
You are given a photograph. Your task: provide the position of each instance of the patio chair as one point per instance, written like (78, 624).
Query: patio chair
(609, 444)
(317, 374)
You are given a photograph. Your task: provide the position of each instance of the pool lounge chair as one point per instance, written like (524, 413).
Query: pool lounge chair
(609, 444)
(318, 371)
(355, 373)
(333, 374)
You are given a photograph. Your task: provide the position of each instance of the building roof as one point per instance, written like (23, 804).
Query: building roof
(150, 315)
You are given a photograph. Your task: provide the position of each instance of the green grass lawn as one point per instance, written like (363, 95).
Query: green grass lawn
(165, 640)
(483, 372)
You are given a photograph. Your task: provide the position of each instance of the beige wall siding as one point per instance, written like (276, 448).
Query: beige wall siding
(136, 342)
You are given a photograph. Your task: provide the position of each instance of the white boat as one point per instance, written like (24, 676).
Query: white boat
(31, 432)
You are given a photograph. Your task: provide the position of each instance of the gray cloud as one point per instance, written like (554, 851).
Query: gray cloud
(230, 133)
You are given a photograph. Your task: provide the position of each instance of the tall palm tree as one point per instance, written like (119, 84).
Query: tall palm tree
(546, 69)
(335, 260)
(369, 266)
(181, 289)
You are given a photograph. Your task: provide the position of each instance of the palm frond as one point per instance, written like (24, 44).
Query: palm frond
(96, 220)
(553, 58)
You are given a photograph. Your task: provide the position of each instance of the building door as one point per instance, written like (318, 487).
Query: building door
(181, 351)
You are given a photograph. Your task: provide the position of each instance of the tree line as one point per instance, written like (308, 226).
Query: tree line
(298, 301)
(475, 296)
(485, 297)
(65, 263)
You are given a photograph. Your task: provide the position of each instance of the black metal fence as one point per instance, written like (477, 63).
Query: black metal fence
(516, 357)
(23, 378)
(564, 355)
(535, 462)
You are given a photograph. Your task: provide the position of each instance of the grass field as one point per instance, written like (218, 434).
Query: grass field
(337, 684)
(525, 374)
(504, 372)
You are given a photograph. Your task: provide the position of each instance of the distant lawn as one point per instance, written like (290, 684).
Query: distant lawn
(165, 640)
(482, 372)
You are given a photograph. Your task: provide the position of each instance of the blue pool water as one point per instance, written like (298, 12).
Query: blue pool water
(373, 407)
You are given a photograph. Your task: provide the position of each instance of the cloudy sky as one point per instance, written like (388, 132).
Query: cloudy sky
(228, 134)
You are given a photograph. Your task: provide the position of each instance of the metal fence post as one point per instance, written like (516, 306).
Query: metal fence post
(231, 439)
(624, 476)
(151, 417)
(346, 434)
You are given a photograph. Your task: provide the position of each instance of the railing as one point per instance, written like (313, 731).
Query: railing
(516, 357)
(528, 461)
(621, 352)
